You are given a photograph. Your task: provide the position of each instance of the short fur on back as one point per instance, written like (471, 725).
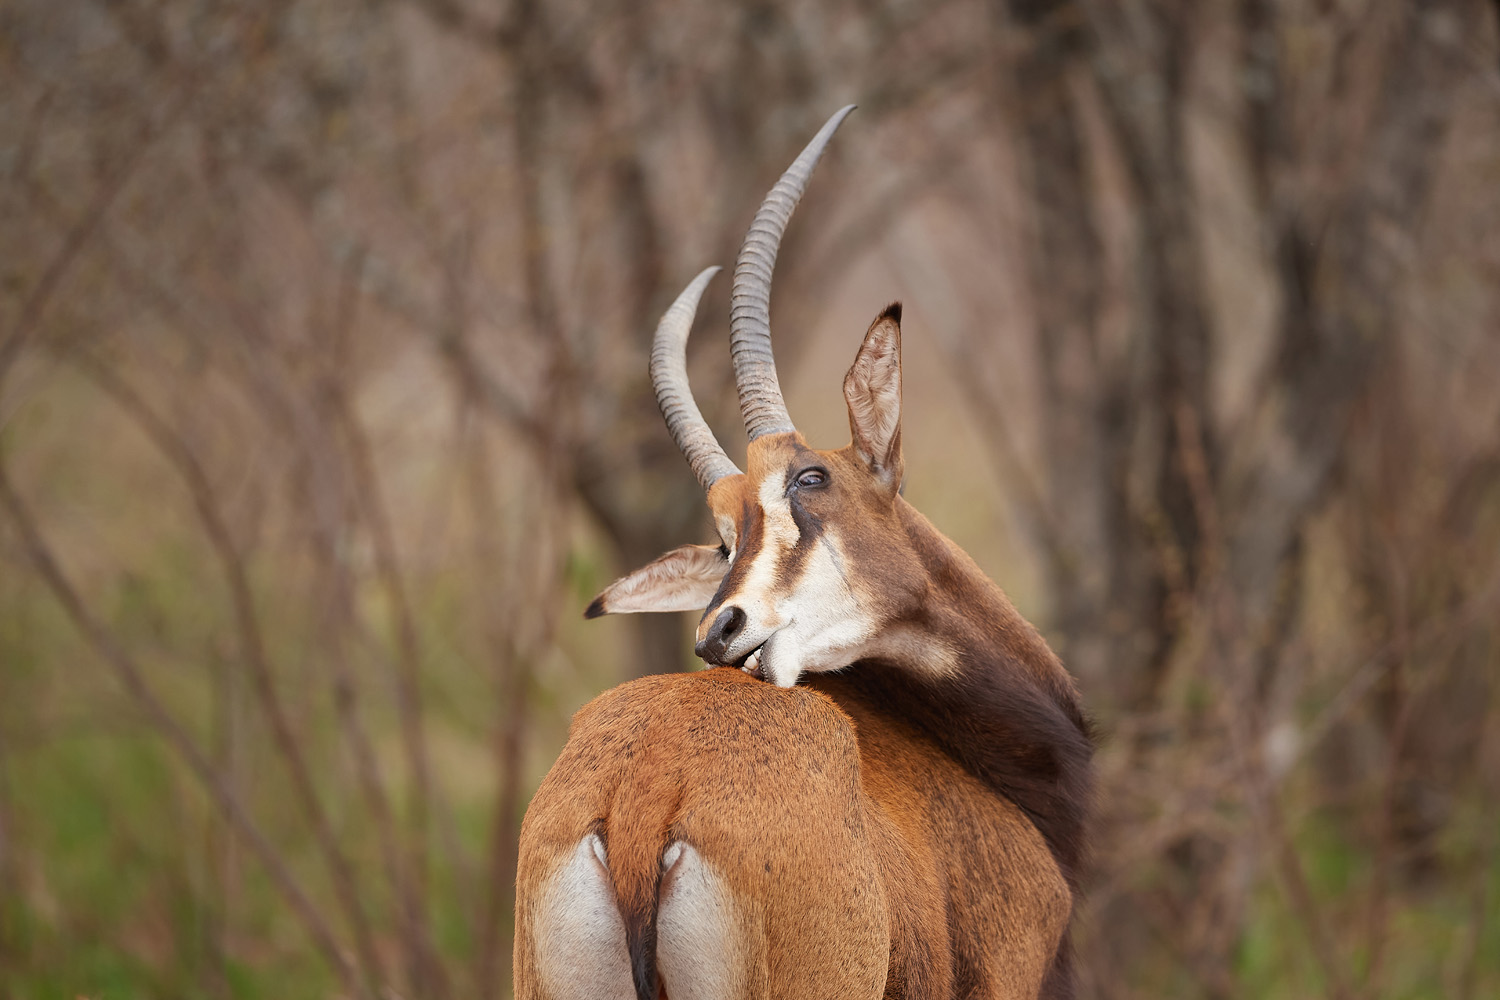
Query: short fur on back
(847, 842)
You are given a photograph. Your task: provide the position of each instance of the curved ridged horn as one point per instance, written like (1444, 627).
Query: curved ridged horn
(750, 299)
(674, 396)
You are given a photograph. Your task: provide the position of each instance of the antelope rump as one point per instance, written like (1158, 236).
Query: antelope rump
(885, 799)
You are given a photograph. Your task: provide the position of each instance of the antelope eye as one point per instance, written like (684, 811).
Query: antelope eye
(812, 479)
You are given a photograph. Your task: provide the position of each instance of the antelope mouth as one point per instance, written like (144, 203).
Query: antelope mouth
(750, 662)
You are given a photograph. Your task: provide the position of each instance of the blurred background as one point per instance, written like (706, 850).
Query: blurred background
(324, 413)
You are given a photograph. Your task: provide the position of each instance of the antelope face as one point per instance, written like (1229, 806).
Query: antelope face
(788, 601)
(813, 571)
(813, 547)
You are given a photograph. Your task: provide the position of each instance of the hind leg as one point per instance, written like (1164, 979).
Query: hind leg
(573, 936)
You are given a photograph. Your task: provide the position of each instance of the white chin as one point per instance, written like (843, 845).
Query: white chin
(779, 670)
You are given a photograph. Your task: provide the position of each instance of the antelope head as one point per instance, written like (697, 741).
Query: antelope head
(814, 570)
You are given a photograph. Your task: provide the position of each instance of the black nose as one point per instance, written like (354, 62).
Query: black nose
(721, 633)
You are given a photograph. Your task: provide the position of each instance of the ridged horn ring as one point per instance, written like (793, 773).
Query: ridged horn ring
(750, 300)
(673, 394)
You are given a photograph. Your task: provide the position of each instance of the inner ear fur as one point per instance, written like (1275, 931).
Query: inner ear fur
(873, 391)
(684, 579)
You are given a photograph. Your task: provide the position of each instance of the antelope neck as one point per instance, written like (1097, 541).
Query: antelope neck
(1007, 711)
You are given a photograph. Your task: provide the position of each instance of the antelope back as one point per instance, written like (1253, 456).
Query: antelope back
(710, 835)
(781, 893)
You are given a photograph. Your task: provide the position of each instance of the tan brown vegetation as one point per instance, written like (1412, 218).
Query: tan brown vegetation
(324, 411)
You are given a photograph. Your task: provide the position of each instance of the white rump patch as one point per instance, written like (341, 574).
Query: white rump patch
(700, 951)
(580, 938)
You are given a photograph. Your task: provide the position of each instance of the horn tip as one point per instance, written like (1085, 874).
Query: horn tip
(837, 118)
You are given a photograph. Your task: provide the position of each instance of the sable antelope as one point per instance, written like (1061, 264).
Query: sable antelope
(898, 812)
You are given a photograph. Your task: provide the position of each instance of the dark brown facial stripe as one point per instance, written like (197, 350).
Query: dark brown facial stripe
(751, 531)
(751, 534)
(809, 525)
(809, 531)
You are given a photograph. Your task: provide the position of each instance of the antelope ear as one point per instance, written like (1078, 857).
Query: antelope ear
(873, 391)
(684, 579)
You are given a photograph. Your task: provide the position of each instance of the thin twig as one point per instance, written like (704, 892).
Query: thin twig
(205, 505)
(429, 976)
(1488, 793)
(79, 235)
(132, 677)
(10, 880)
(512, 649)
(1404, 701)
(1243, 722)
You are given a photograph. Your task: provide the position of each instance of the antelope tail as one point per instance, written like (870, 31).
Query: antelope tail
(637, 839)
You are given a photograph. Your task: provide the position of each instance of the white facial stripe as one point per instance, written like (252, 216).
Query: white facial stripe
(826, 624)
(756, 595)
(780, 528)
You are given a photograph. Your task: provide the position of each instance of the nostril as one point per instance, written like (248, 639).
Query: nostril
(720, 634)
(728, 623)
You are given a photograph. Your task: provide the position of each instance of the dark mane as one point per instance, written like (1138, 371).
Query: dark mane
(1032, 746)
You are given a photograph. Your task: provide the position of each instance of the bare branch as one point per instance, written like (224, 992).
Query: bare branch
(221, 541)
(132, 678)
